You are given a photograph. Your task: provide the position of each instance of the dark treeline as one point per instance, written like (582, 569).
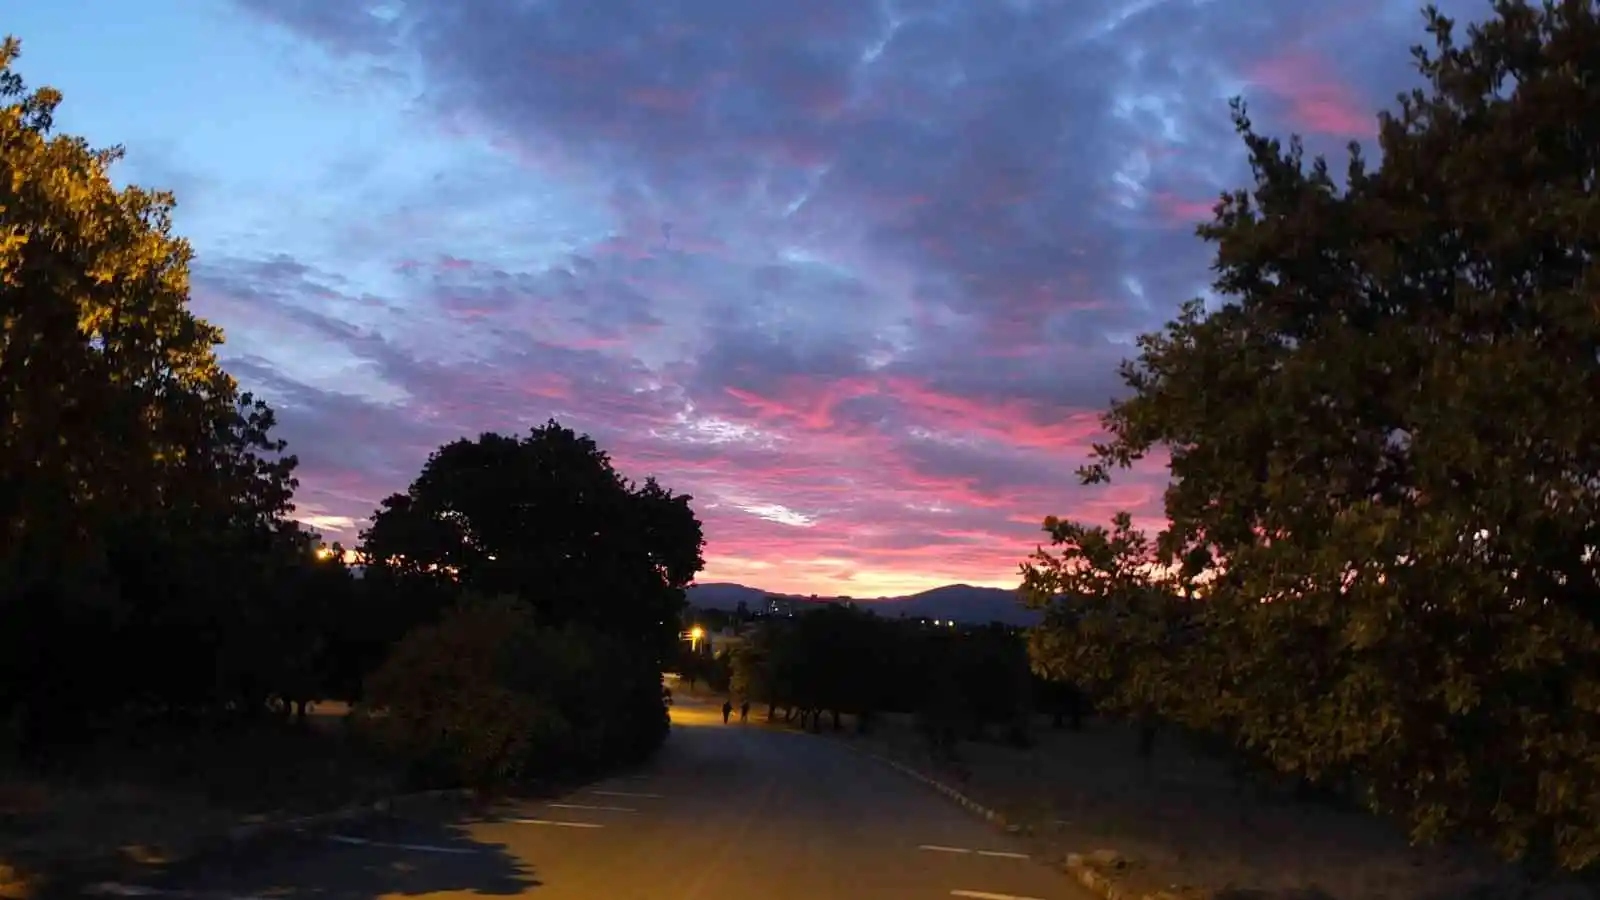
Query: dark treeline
(965, 682)
(514, 605)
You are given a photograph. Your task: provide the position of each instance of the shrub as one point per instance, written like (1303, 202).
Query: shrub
(486, 696)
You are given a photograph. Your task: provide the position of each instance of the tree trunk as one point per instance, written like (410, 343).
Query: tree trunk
(1147, 738)
(836, 725)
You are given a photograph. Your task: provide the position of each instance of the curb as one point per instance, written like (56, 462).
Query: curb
(1086, 869)
(992, 816)
(1091, 876)
(73, 878)
(388, 806)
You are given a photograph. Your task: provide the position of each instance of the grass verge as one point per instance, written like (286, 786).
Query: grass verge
(1183, 823)
(150, 796)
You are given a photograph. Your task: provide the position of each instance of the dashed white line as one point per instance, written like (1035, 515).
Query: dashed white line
(556, 822)
(625, 794)
(113, 889)
(423, 848)
(595, 808)
(998, 854)
(985, 895)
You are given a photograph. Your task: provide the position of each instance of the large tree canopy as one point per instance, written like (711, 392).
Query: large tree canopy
(109, 387)
(1385, 436)
(149, 570)
(548, 519)
(137, 486)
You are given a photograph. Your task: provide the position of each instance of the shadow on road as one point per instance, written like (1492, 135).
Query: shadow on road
(393, 859)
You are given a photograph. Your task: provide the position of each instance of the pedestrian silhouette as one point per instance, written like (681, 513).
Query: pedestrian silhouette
(727, 710)
(744, 711)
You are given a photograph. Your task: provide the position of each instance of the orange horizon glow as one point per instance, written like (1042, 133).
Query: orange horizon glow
(782, 559)
(788, 577)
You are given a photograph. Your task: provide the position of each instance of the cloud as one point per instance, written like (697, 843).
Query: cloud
(856, 274)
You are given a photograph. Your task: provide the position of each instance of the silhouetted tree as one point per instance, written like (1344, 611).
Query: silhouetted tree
(545, 518)
(136, 482)
(1114, 625)
(1383, 445)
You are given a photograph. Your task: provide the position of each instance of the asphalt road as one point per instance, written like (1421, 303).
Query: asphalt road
(725, 812)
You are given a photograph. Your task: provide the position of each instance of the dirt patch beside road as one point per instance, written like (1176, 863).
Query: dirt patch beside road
(1183, 820)
(150, 796)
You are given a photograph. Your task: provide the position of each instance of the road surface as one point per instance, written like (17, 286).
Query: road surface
(724, 812)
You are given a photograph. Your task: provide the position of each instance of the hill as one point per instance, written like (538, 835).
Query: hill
(961, 602)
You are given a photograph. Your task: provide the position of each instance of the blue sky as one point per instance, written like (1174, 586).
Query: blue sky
(855, 274)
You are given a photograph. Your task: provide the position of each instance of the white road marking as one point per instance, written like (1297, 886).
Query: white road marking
(998, 854)
(985, 895)
(595, 808)
(424, 848)
(556, 822)
(625, 794)
(113, 889)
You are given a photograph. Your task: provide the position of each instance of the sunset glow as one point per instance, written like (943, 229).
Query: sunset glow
(856, 279)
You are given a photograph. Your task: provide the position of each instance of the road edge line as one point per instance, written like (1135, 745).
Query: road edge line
(1078, 866)
(986, 813)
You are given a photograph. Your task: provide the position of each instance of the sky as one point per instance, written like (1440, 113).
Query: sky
(856, 275)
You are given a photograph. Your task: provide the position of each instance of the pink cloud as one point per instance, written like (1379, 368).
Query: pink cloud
(1319, 101)
(1175, 210)
(839, 187)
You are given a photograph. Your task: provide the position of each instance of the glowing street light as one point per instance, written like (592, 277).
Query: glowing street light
(695, 634)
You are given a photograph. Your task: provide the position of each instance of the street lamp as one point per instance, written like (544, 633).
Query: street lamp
(695, 634)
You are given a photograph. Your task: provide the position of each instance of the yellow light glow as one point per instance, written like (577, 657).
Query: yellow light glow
(324, 553)
(697, 632)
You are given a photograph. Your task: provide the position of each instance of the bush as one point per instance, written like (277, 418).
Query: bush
(487, 697)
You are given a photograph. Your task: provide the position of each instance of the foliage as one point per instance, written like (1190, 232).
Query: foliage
(485, 696)
(150, 567)
(547, 518)
(1117, 625)
(590, 570)
(135, 480)
(448, 697)
(1381, 444)
(841, 660)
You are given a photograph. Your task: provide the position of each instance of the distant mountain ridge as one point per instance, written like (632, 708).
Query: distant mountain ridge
(961, 602)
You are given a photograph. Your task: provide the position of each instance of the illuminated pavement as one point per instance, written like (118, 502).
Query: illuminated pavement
(726, 812)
